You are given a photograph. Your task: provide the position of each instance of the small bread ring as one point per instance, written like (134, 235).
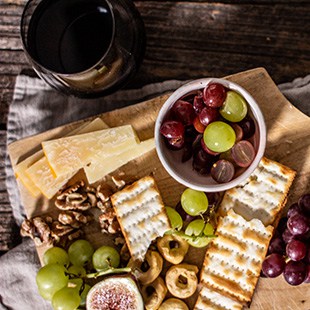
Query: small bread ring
(173, 303)
(154, 293)
(150, 268)
(173, 248)
(181, 280)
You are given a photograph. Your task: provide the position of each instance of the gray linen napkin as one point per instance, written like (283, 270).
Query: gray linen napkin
(37, 108)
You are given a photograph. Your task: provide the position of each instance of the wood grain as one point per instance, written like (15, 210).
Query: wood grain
(185, 40)
(284, 123)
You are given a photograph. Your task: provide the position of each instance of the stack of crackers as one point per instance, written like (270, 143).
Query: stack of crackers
(248, 214)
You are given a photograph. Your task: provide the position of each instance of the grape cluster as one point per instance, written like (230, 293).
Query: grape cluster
(213, 127)
(289, 249)
(191, 219)
(64, 278)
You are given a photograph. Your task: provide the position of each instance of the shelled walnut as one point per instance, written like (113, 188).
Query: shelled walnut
(74, 219)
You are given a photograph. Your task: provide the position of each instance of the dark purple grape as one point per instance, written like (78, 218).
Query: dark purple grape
(304, 203)
(276, 245)
(273, 265)
(298, 224)
(187, 153)
(208, 115)
(296, 250)
(190, 134)
(294, 209)
(184, 112)
(307, 257)
(307, 279)
(214, 95)
(248, 127)
(238, 131)
(198, 103)
(202, 161)
(172, 129)
(295, 272)
(222, 171)
(243, 153)
(287, 236)
(282, 225)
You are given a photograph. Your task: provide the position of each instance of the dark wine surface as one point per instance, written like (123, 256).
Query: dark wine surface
(70, 36)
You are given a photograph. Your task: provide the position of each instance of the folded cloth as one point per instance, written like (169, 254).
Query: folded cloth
(36, 108)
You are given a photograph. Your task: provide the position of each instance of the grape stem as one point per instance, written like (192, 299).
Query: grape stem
(108, 271)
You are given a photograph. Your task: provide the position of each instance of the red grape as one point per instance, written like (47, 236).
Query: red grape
(304, 203)
(248, 127)
(243, 153)
(307, 279)
(287, 236)
(184, 112)
(208, 115)
(298, 224)
(172, 129)
(276, 245)
(295, 272)
(222, 171)
(198, 103)
(296, 250)
(293, 209)
(175, 143)
(214, 95)
(198, 125)
(202, 161)
(206, 149)
(238, 130)
(273, 265)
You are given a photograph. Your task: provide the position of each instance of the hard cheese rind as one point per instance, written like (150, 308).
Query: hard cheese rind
(141, 214)
(234, 258)
(262, 195)
(69, 154)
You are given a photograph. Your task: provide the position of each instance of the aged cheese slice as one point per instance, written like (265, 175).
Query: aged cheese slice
(69, 154)
(40, 173)
(99, 168)
(20, 168)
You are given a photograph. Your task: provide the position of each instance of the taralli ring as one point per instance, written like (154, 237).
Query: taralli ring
(181, 280)
(173, 248)
(154, 293)
(173, 303)
(150, 268)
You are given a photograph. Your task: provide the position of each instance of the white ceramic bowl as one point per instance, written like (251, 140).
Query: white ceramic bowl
(183, 172)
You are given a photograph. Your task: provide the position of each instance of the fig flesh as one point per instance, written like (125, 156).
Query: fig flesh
(115, 293)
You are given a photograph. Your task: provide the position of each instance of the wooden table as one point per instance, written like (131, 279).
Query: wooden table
(185, 40)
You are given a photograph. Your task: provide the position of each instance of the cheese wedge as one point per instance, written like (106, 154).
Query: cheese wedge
(99, 168)
(69, 154)
(41, 175)
(141, 214)
(20, 168)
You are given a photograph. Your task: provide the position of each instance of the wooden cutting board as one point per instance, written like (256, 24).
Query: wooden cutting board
(288, 142)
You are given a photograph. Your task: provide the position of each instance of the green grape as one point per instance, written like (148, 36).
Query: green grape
(56, 255)
(67, 298)
(78, 271)
(208, 230)
(194, 202)
(199, 242)
(195, 227)
(219, 137)
(80, 252)
(50, 279)
(77, 284)
(84, 293)
(175, 218)
(105, 257)
(234, 108)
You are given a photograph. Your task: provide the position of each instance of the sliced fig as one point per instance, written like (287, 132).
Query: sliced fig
(116, 292)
